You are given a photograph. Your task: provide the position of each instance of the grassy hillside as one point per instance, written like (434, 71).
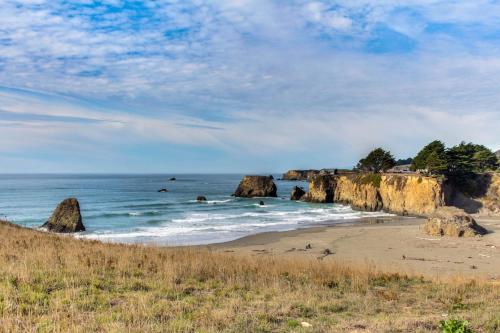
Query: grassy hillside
(52, 283)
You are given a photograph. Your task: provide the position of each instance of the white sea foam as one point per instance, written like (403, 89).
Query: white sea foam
(207, 227)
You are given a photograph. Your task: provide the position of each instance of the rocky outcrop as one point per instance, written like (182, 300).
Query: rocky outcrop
(360, 191)
(201, 198)
(412, 194)
(490, 202)
(479, 194)
(297, 193)
(256, 186)
(321, 189)
(401, 194)
(299, 174)
(66, 217)
(454, 222)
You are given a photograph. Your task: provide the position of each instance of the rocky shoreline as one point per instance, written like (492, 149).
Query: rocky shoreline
(401, 194)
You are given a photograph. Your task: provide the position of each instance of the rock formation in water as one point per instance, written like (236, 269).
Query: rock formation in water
(66, 217)
(297, 193)
(256, 186)
(454, 222)
(299, 174)
(401, 194)
(321, 189)
(201, 198)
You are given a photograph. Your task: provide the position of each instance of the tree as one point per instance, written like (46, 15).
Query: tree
(436, 163)
(409, 160)
(485, 159)
(436, 149)
(378, 160)
(467, 158)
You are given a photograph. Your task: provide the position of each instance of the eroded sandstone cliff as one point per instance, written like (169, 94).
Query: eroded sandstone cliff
(402, 194)
(490, 201)
(300, 174)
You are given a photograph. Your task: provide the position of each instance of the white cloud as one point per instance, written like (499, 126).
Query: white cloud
(297, 73)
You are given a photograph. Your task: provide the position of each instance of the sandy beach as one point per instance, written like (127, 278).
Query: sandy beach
(393, 244)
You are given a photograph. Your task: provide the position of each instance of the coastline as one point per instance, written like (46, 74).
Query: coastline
(391, 244)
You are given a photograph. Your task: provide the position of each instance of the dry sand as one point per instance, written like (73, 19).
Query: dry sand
(391, 244)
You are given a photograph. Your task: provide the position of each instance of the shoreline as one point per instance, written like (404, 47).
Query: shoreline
(391, 244)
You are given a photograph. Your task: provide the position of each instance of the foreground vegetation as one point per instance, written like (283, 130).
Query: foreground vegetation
(52, 283)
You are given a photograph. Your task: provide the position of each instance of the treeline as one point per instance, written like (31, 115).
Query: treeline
(435, 159)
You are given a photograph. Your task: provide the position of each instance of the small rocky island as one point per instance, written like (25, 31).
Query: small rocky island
(66, 217)
(256, 186)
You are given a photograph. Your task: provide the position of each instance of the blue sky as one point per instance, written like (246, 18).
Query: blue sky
(241, 86)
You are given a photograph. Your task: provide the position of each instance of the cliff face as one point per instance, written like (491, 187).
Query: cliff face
(401, 194)
(360, 191)
(299, 174)
(481, 194)
(490, 202)
(412, 194)
(321, 189)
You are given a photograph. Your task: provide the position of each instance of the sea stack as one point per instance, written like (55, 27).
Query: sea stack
(297, 193)
(66, 217)
(256, 186)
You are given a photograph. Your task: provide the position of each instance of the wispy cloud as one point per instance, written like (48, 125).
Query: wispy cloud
(259, 77)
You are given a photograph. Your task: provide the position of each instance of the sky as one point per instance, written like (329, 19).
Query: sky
(164, 86)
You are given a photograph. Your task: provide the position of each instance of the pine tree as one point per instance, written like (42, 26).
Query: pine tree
(378, 160)
(421, 161)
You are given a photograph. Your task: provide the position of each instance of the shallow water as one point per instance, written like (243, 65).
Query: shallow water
(129, 208)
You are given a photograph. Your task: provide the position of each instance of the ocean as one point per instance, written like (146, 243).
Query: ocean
(129, 208)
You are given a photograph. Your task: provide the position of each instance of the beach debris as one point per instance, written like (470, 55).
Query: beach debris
(201, 198)
(325, 253)
(162, 190)
(261, 203)
(308, 247)
(66, 217)
(473, 267)
(415, 258)
(305, 324)
(429, 239)
(256, 186)
(297, 193)
(452, 221)
(173, 179)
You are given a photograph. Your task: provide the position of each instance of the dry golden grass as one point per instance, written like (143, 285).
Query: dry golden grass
(51, 283)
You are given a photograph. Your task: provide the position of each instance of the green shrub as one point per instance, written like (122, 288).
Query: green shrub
(455, 326)
(292, 323)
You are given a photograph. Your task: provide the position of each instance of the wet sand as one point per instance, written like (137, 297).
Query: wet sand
(390, 244)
